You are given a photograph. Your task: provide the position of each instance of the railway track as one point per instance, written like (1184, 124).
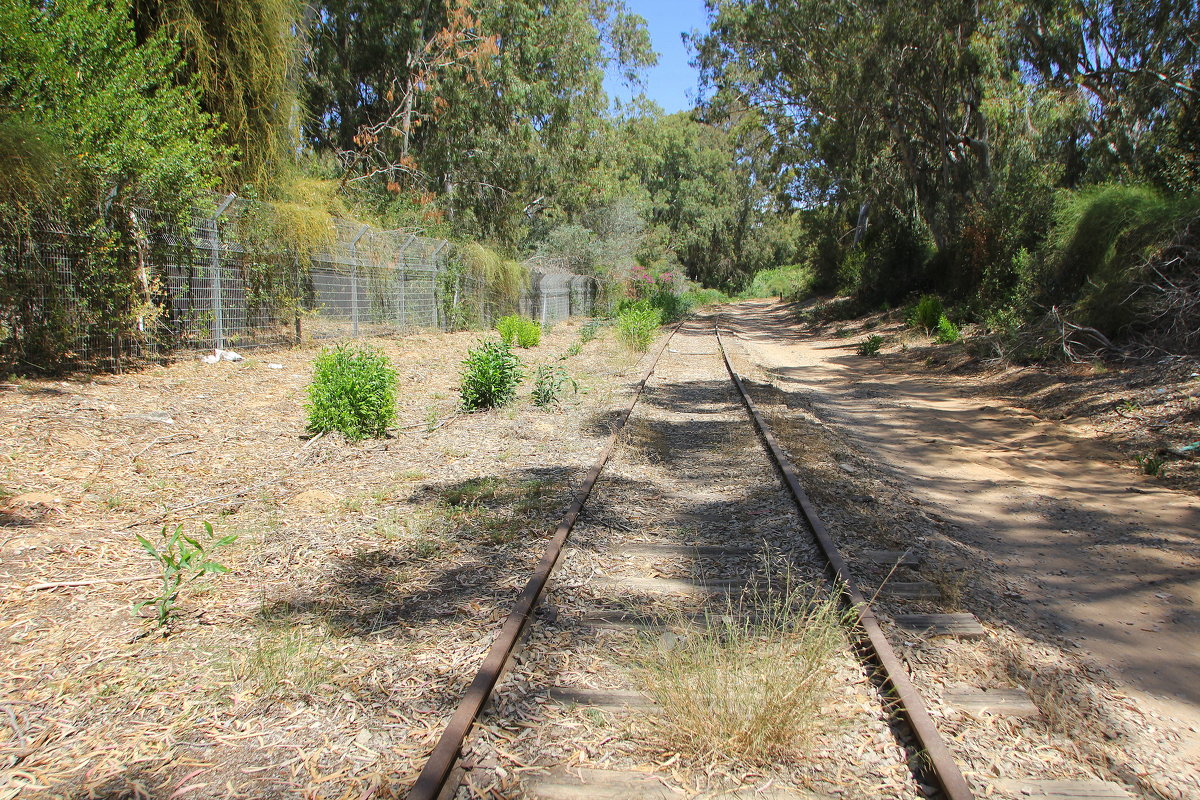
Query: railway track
(687, 509)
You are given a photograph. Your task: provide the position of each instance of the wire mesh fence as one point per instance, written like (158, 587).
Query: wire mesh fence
(205, 284)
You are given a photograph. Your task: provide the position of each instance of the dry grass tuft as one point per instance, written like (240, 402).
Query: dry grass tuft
(747, 686)
(285, 661)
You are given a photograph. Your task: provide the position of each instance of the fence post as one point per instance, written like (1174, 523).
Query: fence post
(434, 268)
(354, 279)
(542, 294)
(215, 261)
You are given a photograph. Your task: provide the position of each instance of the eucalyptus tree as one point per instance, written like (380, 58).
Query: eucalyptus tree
(484, 110)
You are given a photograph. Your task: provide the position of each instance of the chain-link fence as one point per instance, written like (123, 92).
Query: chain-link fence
(211, 286)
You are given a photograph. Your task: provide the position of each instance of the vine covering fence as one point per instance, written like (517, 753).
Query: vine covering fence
(209, 285)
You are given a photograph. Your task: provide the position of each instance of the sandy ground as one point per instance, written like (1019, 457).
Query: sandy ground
(1100, 560)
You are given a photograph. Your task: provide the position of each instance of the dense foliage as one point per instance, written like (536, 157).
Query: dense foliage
(1009, 156)
(951, 147)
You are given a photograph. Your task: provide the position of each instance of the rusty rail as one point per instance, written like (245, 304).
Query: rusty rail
(437, 770)
(912, 706)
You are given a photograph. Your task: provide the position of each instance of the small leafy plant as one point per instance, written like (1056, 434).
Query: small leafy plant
(1152, 464)
(573, 350)
(518, 330)
(182, 559)
(548, 384)
(589, 331)
(947, 331)
(636, 325)
(927, 313)
(870, 346)
(491, 374)
(353, 391)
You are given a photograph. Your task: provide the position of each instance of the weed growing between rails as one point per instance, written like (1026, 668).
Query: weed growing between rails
(748, 685)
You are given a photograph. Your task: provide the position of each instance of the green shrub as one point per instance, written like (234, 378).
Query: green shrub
(947, 331)
(636, 324)
(792, 282)
(529, 334)
(1152, 465)
(697, 298)
(927, 313)
(548, 384)
(491, 374)
(673, 306)
(1100, 249)
(518, 330)
(870, 346)
(353, 391)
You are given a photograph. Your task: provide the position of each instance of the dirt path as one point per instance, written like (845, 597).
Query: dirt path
(1103, 563)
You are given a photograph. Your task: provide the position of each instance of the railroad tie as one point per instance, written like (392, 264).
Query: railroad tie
(892, 558)
(1061, 790)
(1000, 702)
(962, 626)
(609, 700)
(578, 783)
(910, 590)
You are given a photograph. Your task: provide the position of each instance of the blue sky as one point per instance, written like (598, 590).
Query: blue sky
(671, 84)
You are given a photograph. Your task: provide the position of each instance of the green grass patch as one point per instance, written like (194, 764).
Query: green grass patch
(792, 282)
(637, 324)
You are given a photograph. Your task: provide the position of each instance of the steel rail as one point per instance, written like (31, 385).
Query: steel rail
(434, 775)
(912, 706)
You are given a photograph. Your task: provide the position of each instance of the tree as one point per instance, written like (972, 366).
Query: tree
(482, 110)
(242, 56)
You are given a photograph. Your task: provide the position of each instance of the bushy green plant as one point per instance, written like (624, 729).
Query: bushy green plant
(182, 559)
(947, 331)
(518, 330)
(636, 324)
(704, 297)
(507, 327)
(491, 375)
(793, 282)
(548, 384)
(353, 391)
(926, 314)
(530, 334)
(1103, 248)
(870, 346)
